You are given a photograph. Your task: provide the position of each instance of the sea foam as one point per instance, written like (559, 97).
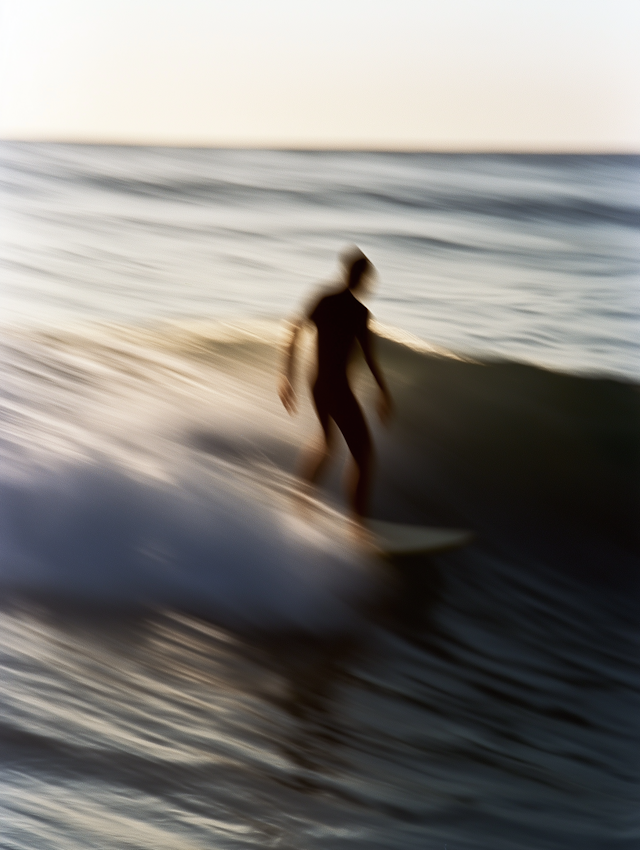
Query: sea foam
(215, 545)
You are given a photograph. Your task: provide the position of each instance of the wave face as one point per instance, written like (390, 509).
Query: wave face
(544, 464)
(158, 466)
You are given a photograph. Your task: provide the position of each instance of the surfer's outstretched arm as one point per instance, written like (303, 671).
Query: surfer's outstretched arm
(385, 404)
(286, 390)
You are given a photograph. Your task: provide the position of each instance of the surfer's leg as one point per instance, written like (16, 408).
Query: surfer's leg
(350, 420)
(316, 456)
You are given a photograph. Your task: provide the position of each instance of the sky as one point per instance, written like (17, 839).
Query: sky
(533, 75)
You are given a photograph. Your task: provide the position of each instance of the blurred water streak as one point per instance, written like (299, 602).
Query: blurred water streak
(527, 257)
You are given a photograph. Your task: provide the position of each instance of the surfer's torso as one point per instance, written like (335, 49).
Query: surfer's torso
(341, 320)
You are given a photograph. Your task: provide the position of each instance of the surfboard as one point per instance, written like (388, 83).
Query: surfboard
(391, 538)
(374, 536)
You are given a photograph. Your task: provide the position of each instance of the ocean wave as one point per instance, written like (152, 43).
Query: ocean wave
(116, 436)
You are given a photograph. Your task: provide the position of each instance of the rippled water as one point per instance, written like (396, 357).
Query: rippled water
(503, 722)
(187, 661)
(534, 258)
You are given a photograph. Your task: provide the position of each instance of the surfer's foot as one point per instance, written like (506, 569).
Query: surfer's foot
(303, 498)
(360, 532)
(358, 487)
(363, 538)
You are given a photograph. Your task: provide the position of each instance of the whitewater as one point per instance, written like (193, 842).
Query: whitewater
(188, 659)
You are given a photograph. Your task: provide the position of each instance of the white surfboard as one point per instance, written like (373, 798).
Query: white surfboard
(378, 537)
(392, 538)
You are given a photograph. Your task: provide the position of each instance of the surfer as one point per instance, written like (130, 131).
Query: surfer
(340, 320)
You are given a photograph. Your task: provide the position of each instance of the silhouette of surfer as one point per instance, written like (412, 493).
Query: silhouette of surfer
(341, 320)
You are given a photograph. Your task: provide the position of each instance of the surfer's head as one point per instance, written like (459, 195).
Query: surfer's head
(358, 268)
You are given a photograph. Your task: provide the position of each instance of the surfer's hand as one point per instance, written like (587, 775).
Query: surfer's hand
(384, 407)
(287, 395)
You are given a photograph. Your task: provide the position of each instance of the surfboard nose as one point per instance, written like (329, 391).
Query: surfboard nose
(391, 538)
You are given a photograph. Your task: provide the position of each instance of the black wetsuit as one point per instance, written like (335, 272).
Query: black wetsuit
(341, 320)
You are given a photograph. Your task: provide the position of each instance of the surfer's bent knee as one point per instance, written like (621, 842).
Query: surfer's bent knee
(342, 406)
(356, 433)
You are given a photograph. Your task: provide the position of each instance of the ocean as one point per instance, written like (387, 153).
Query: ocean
(190, 661)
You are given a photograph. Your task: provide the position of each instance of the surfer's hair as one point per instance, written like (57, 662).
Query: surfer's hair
(356, 266)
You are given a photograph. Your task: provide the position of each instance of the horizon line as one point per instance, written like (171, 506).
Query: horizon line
(543, 150)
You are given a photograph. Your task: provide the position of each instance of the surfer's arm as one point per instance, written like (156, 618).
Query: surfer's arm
(286, 390)
(385, 403)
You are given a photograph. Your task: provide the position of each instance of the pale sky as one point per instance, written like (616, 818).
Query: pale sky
(395, 74)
